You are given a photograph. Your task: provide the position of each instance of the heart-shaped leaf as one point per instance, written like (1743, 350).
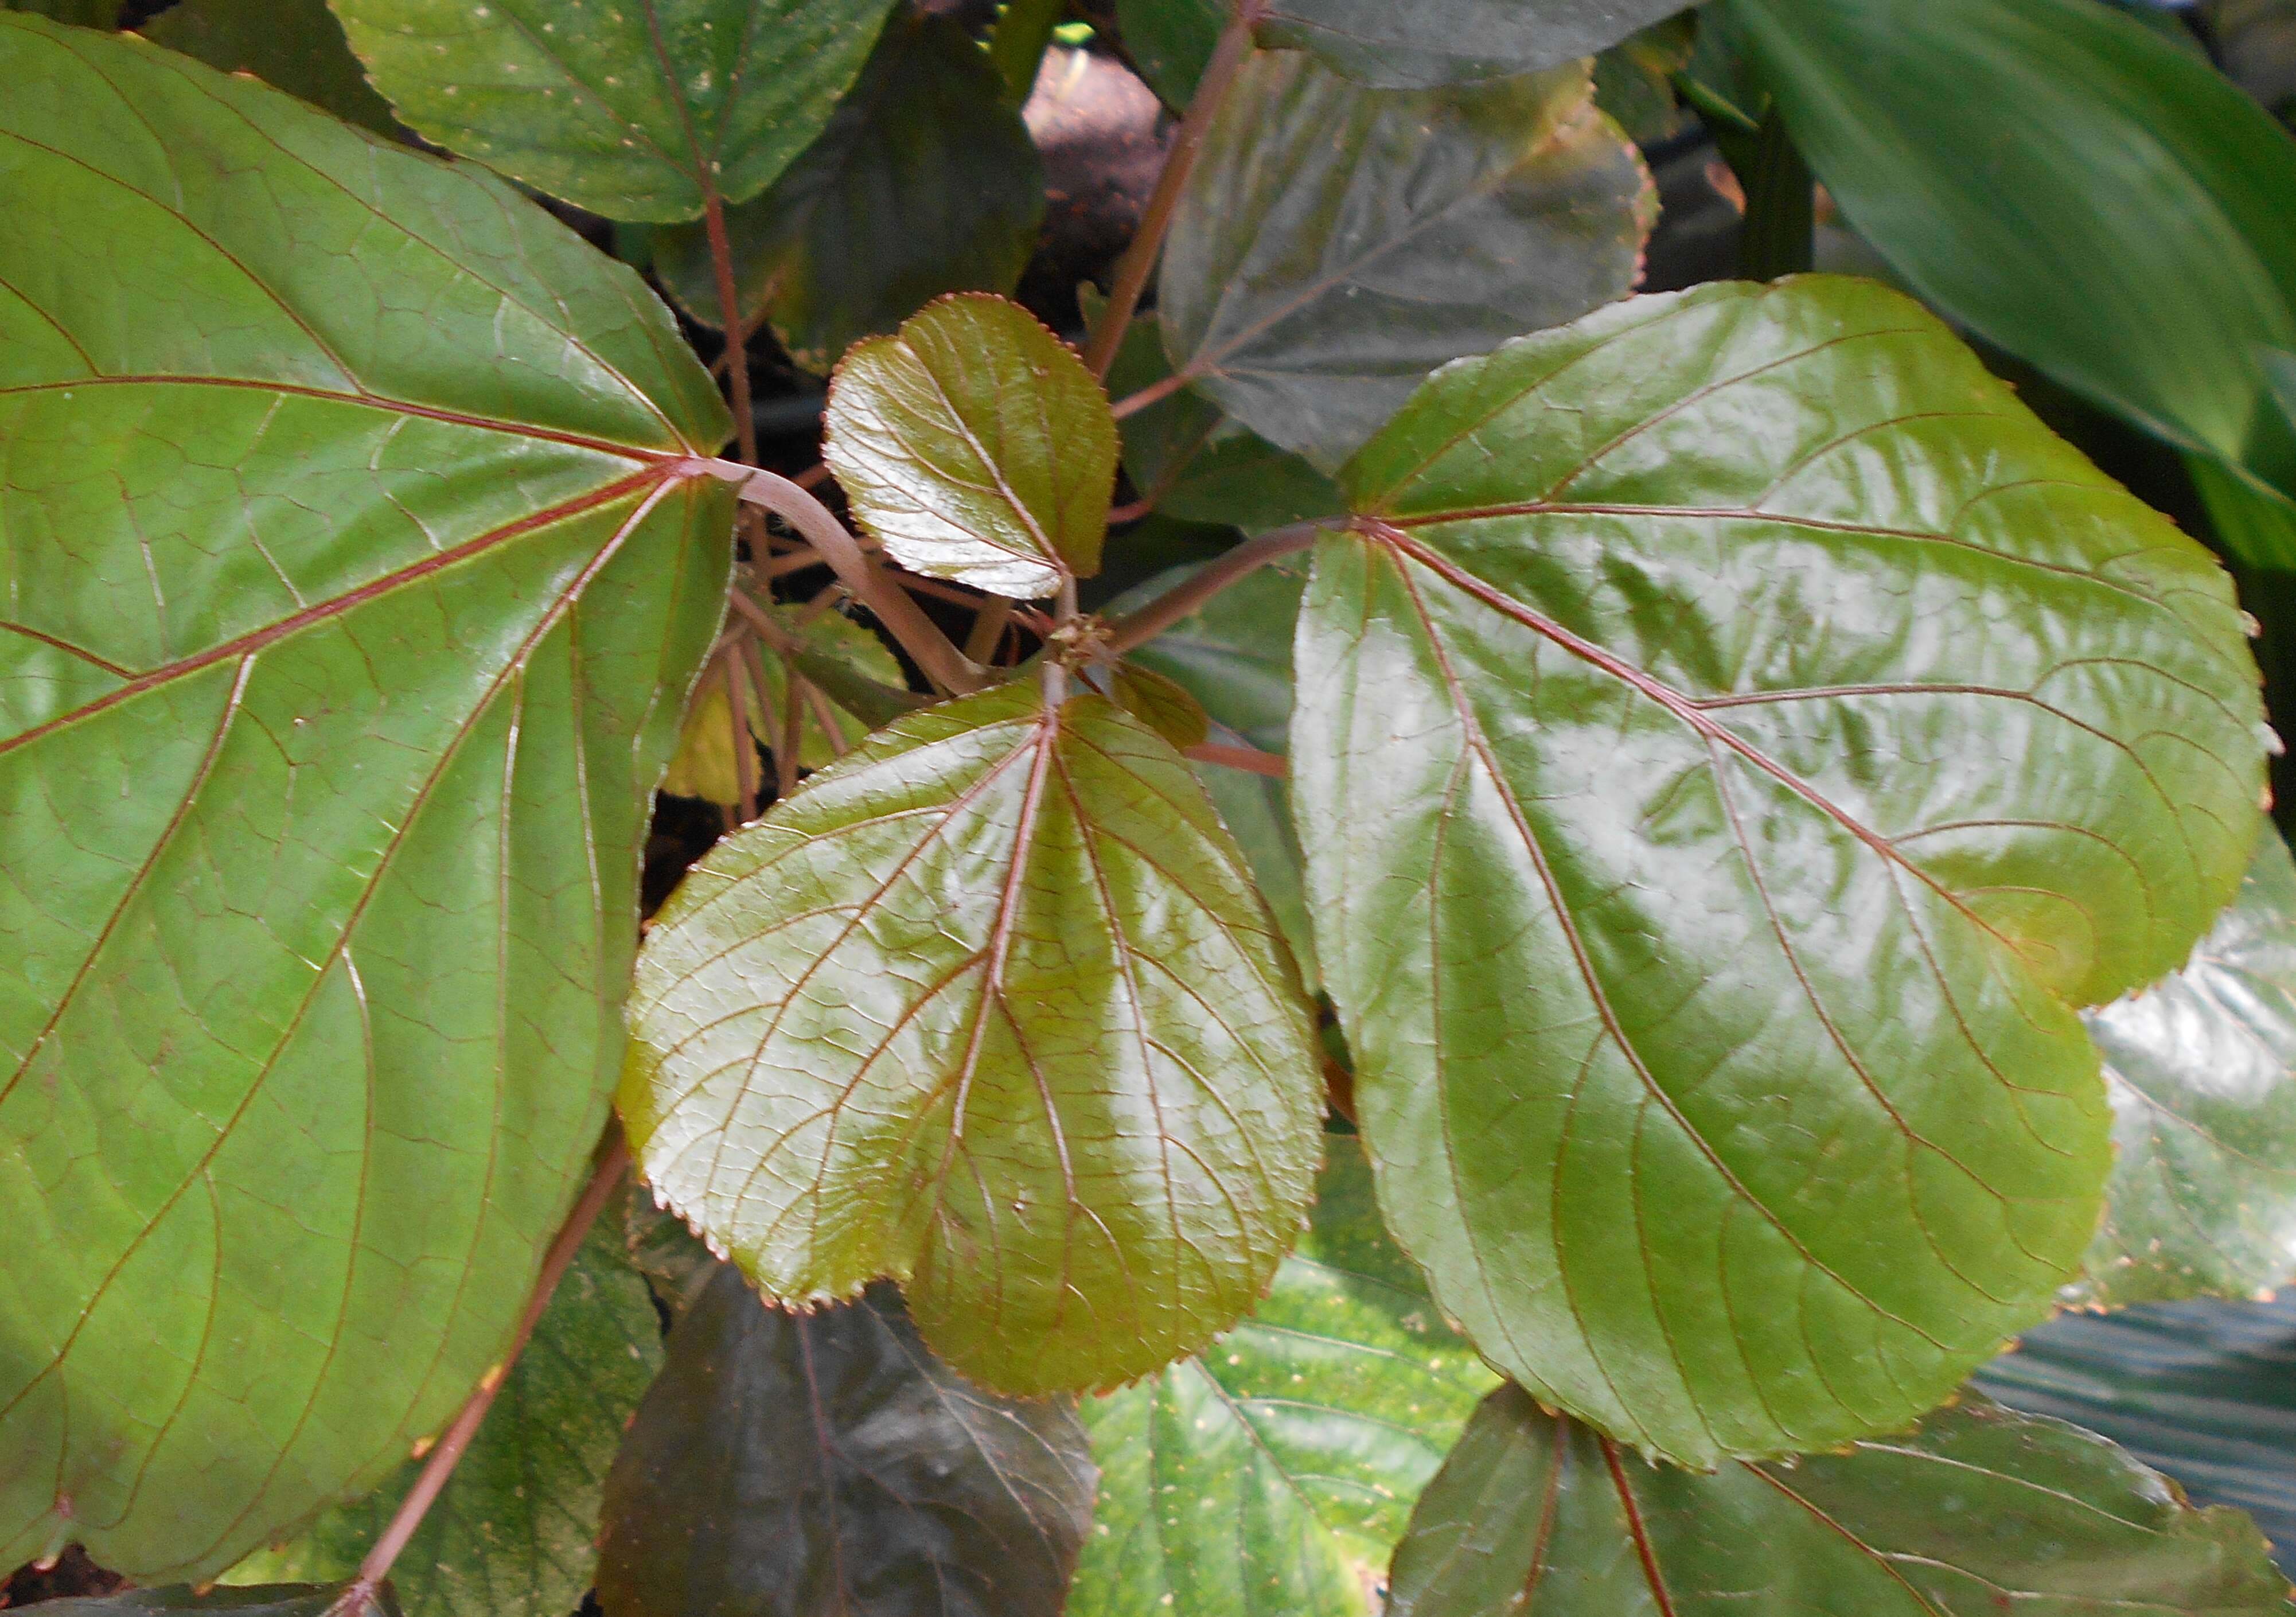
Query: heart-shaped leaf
(1274, 1474)
(1731, 741)
(790, 1463)
(356, 572)
(1429, 43)
(945, 1015)
(2202, 1068)
(1981, 1511)
(641, 110)
(925, 182)
(977, 446)
(1334, 244)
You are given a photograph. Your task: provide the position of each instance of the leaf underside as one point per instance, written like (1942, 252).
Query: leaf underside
(1429, 43)
(947, 1014)
(1732, 738)
(353, 588)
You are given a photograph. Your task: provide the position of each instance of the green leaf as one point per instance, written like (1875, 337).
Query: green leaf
(788, 1463)
(1161, 703)
(925, 182)
(1274, 1474)
(1334, 244)
(2254, 527)
(977, 446)
(2068, 183)
(940, 1015)
(826, 642)
(82, 13)
(513, 1533)
(1171, 41)
(2202, 1068)
(1733, 736)
(1429, 42)
(1981, 1511)
(638, 110)
(2204, 1390)
(1633, 79)
(356, 573)
(274, 1600)
(1257, 810)
(295, 46)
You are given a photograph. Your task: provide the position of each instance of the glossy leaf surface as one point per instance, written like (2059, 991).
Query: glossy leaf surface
(790, 1463)
(943, 1014)
(2085, 193)
(1733, 737)
(1274, 1473)
(2204, 1390)
(2202, 1068)
(977, 446)
(1978, 1512)
(637, 110)
(355, 587)
(1429, 42)
(1334, 244)
(514, 1533)
(271, 1600)
(925, 182)
(295, 46)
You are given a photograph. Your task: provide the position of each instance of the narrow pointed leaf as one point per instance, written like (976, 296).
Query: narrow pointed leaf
(790, 1464)
(977, 446)
(942, 1015)
(295, 46)
(1274, 1473)
(639, 110)
(1981, 1511)
(514, 1533)
(1429, 42)
(1734, 737)
(2202, 1068)
(355, 579)
(269, 1600)
(1335, 244)
(925, 182)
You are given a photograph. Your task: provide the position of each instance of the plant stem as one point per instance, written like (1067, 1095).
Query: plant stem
(1140, 258)
(1185, 598)
(376, 1567)
(1250, 759)
(989, 629)
(745, 751)
(729, 306)
(943, 664)
(1017, 44)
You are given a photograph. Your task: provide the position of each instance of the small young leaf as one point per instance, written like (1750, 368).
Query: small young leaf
(1733, 737)
(1981, 1511)
(266, 1600)
(942, 1015)
(1335, 244)
(295, 46)
(977, 446)
(826, 642)
(357, 576)
(2202, 1068)
(925, 182)
(791, 1464)
(1429, 42)
(1272, 1476)
(1161, 703)
(638, 110)
(512, 1535)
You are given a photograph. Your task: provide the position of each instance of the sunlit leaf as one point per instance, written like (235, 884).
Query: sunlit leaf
(925, 182)
(1335, 244)
(357, 576)
(947, 1015)
(977, 446)
(1733, 738)
(786, 1465)
(1981, 1511)
(1429, 43)
(635, 108)
(295, 46)
(1273, 1476)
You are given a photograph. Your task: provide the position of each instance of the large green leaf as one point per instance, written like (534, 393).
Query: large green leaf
(786, 1465)
(514, 1533)
(2202, 1068)
(2204, 1390)
(355, 574)
(1274, 1474)
(1334, 244)
(1981, 1511)
(1171, 41)
(84, 13)
(947, 1014)
(1730, 742)
(977, 446)
(296, 45)
(1429, 43)
(2067, 183)
(637, 110)
(274, 1600)
(925, 182)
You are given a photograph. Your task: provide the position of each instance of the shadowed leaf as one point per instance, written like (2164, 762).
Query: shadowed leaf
(295, 46)
(1429, 43)
(268, 1600)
